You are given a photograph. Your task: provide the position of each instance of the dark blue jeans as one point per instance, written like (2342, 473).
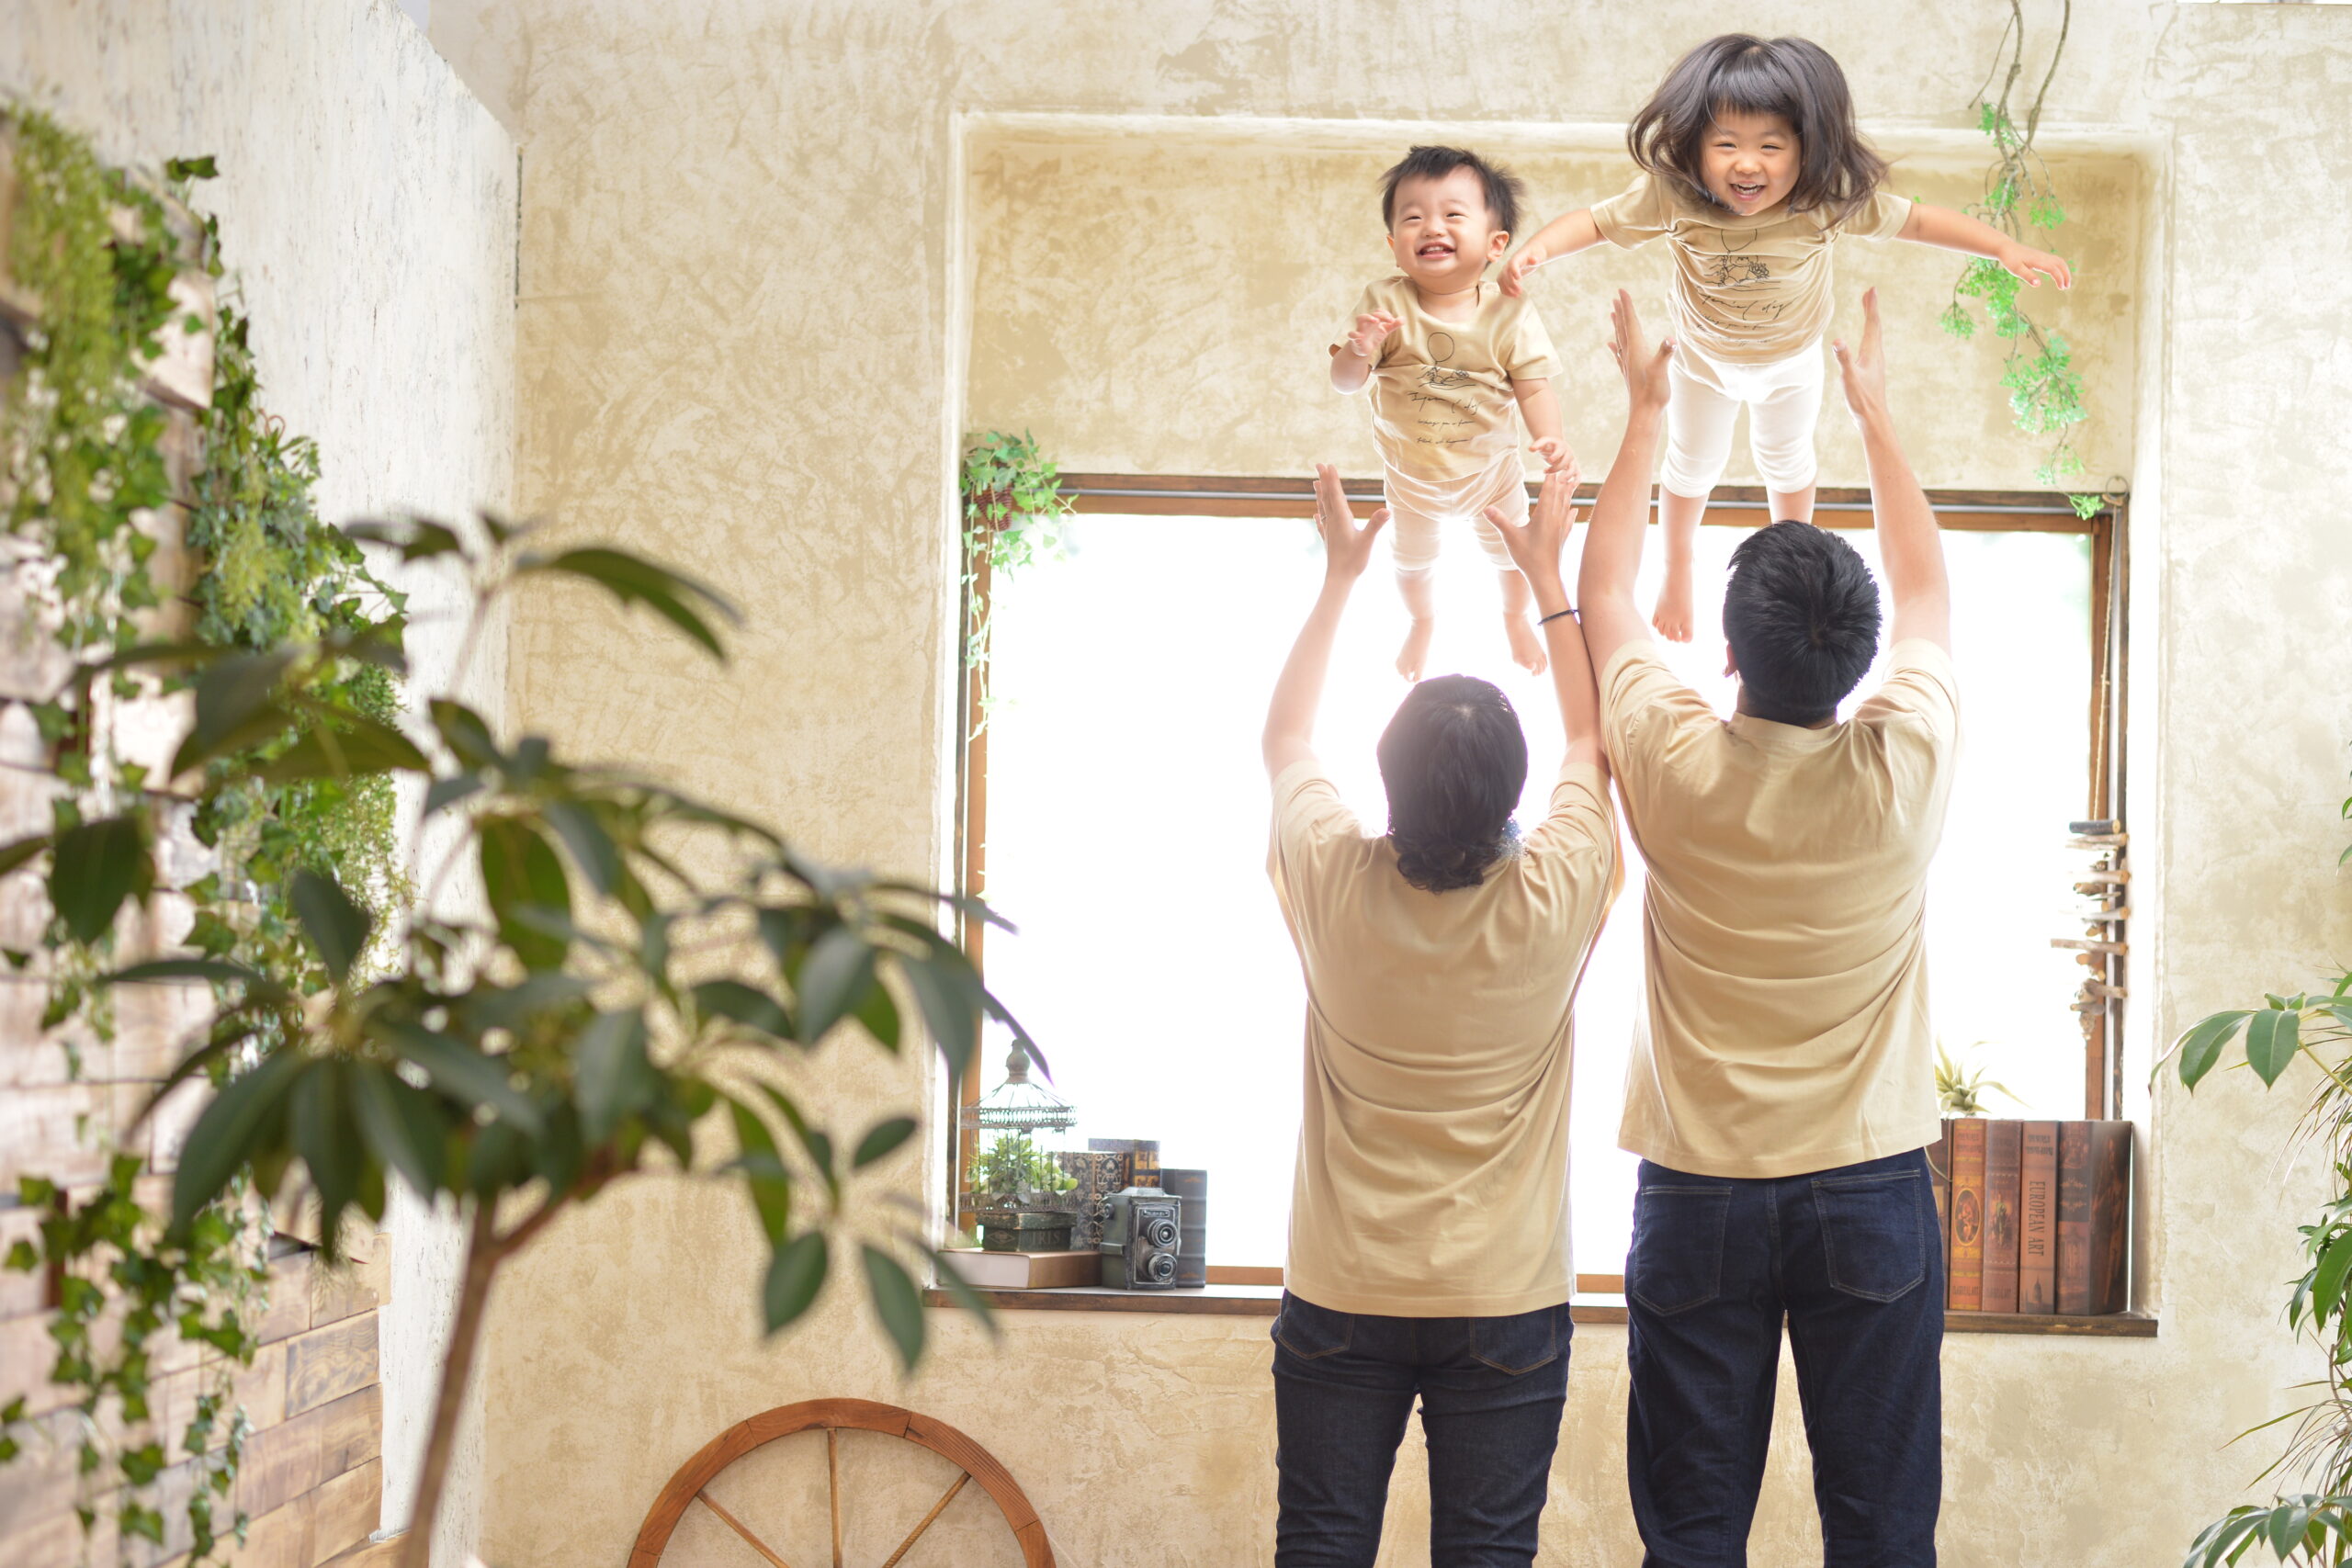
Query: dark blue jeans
(1850, 1258)
(1491, 1391)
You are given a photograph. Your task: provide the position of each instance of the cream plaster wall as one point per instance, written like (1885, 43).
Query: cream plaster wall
(367, 207)
(741, 345)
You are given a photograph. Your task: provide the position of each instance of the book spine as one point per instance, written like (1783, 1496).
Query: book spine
(2038, 1218)
(1968, 1215)
(2074, 1217)
(2108, 1287)
(2003, 1162)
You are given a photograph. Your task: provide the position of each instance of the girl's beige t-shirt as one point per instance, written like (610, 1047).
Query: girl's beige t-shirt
(1432, 1171)
(1747, 290)
(1783, 920)
(1443, 404)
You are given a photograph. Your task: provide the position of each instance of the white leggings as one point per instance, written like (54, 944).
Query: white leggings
(1420, 510)
(1784, 400)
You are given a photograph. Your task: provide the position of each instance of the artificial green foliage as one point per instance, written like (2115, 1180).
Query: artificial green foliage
(1013, 1165)
(2046, 391)
(2312, 1528)
(1960, 1089)
(1013, 504)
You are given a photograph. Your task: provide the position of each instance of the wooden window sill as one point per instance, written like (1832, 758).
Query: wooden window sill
(1262, 1301)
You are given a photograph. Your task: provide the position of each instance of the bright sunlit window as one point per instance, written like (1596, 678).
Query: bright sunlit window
(1128, 819)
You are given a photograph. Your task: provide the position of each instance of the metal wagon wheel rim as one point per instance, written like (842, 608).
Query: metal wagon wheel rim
(690, 1485)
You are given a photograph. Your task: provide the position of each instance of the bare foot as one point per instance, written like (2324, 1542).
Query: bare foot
(1672, 617)
(1526, 644)
(1415, 655)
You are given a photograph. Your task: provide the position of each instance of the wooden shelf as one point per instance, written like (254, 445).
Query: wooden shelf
(1264, 1300)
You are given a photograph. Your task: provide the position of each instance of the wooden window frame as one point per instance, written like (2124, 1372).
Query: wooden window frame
(1735, 506)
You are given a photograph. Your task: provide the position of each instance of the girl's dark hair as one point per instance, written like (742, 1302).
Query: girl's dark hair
(1792, 78)
(1801, 615)
(1501, 187)
(1454, 759)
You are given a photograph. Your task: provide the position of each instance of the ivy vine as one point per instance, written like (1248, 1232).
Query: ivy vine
(1014, 511)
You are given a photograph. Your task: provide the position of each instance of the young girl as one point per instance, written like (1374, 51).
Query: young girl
(1752, 169)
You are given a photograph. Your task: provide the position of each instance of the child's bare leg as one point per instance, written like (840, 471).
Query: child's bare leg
(1526, 647)
(1679, 515)
(1420, 603)
(1794, 505)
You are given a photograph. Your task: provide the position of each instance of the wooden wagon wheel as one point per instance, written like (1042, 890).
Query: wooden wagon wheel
(687, 1487)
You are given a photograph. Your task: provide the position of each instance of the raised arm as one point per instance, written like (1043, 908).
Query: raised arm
(1564, 236)
(1290, 719)
(1535, 549)
(1949, 230)
(1910, 543)
(1353, 356)
(1612, 546)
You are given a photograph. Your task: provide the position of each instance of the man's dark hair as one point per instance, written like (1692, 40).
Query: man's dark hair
(1792, 78)
(1453, 760)
(1801, 613)
(1502, 187)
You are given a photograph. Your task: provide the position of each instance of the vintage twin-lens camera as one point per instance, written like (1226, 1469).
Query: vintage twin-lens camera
(1140, 1239)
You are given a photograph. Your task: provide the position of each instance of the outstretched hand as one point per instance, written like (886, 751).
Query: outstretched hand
(1371, 330)
(1863, 370)
(1347, 549)
(1642, 367)
(1535, 545)
(2033, 265)
(1515, 271)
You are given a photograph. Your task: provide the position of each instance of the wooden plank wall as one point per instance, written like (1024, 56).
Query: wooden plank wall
(313, 1477)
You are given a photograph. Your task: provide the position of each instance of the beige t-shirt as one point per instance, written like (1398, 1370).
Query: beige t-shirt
(1441, 402)
(1433, 1140)
(1786, 1026)
(1747, 290)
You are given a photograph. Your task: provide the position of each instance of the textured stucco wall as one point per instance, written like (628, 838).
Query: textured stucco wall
(367, 207)
(741, 346)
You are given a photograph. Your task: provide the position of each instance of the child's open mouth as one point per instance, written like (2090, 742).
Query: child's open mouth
(1746, 192)
(1436, 250)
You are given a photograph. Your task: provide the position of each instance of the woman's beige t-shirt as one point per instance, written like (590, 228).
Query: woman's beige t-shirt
(1787, 1026)
(1442, 407)
(1747, 290)
(1433, 1137)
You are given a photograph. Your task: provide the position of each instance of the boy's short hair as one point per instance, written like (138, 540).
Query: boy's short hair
(1453, 760)
(1501, 187)
(1801, 613)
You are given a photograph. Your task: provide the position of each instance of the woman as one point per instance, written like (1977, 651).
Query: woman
(1429, 1246)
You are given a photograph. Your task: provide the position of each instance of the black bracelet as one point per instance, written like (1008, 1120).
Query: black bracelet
(1546, 620)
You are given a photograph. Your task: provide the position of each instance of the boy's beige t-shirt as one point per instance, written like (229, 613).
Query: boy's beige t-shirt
(1787, 1026)
(1747, 290)
(1433, 1135)
(1442, 406)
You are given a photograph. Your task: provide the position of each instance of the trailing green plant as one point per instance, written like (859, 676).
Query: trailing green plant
(1014, 511)
(2311, 1528)
(2045, 390)
(1013, 1165)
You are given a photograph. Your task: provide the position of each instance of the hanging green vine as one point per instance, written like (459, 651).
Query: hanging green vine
(2045, 390)
(1014, 511)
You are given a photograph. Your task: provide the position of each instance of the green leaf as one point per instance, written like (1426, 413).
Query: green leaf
(465, 733)
(794, 1276)
(355, 744)
(897, 1302)
(2203, 1045)
(747, 1006)
(959, 1289)
(259, 987)
(415, 538)
(598, 857)
(879, 1014)
(819, 1144)
(677, 598)
(520, 869)
(329, 1144)
(881, 1139)
(442, 794)
(402, 1125)
(612, 1074)
(2271, 1042)
(832, 979)
(337, 927)
(949, 999)
(764, 1175)
(2327, 1280)
(236, 707)
(459, 1070)
(98, 866)
(15, 854)
(231, 1131)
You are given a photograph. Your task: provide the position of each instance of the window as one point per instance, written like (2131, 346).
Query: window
(1116, 805)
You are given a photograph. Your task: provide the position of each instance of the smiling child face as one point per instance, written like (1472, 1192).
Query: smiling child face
(1748, 161)
(1443, 236)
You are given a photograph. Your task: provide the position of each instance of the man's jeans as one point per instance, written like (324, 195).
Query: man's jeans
(1491, 1391)
(1851, 1257)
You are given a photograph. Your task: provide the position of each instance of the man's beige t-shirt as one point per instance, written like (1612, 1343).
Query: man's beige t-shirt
(1787, 1026)
(1442, 406)
(1433, 1136)
(1747, 290)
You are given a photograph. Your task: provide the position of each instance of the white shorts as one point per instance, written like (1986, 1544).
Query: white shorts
(1784, 400)
(1420, 511)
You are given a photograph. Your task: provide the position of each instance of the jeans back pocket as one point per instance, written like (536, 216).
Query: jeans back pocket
(1873, 1232)
(1677, 1262)
(1311, 1332)
(1521, 1342)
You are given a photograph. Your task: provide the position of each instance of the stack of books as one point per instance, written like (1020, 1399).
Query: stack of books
(2037, 1215)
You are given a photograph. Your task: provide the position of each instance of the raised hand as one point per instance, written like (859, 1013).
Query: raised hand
(1535, 545)
(2034, 266)
(1642, 367)
(1862, 370)
(1514, 279)
(1554, 453)
(1372, 328)
(1347, 549)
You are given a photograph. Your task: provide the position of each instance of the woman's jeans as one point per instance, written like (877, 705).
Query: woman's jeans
(1851, 1259)
(1491, 1391)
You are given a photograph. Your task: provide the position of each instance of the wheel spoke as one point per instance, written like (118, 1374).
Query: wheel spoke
(707, 1501)
(834, 1486)
(935, 1510)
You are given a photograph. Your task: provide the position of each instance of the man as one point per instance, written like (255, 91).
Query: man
(1781, 1095)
